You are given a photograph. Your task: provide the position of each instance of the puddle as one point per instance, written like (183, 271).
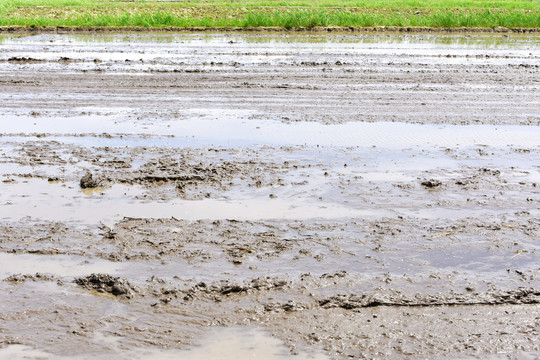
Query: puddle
(71, 204)
(59, 265)
(23, 352)
(35, 198)
(238, 343)
(469, 40)
(407, 78)
(233, 343)
(389, 135)
(166, 45)
(231, 132)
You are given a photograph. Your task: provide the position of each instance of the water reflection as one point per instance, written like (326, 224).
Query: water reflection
(235, 343)
(477, 41)
(481, 41)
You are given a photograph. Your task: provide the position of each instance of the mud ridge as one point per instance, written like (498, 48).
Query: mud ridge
(317, 29)
(495, 297)
(21, 278)
(105, 283)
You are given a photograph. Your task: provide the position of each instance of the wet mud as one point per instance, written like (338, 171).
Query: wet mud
(325, 197)
(21, 29)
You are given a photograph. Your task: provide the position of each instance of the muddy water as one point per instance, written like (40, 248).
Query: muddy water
(261, 195)
(220, 344)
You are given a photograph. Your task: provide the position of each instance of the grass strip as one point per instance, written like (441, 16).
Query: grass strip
(378, 4)
(85, 13)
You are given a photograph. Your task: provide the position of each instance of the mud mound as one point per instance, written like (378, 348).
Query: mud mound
(191, 180)
(20, 278)
(89, 182)
(493, 297)
(105, 283)
(228, 287)
(431, 183)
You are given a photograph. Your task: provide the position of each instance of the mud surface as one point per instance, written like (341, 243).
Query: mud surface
(29, 30)
(337, 196)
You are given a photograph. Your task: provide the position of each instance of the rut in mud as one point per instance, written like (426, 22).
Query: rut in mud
(349, 196)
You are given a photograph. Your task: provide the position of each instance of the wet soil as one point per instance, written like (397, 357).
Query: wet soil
(21, 29)
(351, 196)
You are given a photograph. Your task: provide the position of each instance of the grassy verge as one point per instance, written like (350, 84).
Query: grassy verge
(267, 13)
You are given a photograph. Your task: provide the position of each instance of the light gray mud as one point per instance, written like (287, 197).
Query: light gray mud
(338, 196)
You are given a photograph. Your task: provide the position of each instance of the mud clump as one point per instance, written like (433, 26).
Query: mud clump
(191, 180)
(227, 288)
(289, 307)
(104, 283)
(517, 296)
(20, 278)
(431, 183)
(491, 172)
(89, 182)
(24, 60)
(183, 175)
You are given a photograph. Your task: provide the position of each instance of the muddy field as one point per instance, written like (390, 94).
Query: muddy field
(220, 196)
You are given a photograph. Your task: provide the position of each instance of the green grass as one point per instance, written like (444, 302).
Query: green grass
(440, 19)
(271, 13)
(394, 4)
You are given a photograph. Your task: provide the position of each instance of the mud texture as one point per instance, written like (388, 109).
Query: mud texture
(104, 283)
(355, 196)
(264, 29)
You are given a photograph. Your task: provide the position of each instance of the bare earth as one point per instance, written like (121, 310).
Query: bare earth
(340, 196)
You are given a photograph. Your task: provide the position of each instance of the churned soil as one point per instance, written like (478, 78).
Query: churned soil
(355, 196)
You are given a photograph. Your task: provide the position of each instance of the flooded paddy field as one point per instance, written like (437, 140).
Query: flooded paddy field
(227, 196)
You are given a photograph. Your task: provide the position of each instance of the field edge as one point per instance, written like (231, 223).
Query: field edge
(317, 29)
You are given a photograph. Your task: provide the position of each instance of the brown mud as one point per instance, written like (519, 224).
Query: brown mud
(336, 196)
(14, 29)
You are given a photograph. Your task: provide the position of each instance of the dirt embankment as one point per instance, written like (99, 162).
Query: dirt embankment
(265, 29)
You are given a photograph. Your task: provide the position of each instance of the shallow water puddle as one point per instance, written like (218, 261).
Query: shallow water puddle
(58, 265)
(234, 343)
(23, 352)
(256, 46)
(71, 266)
(239, 131)
(228, 343)
(239, 343)
(35, 198)
(301, 39)
(107, 211)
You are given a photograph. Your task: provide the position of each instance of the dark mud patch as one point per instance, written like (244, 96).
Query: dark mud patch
(494, 297)
(217, 291)
(104, 283)
(190, 180)
(198, 241)
(229, 287)
(262, 29)
(21, 278)
(89, 182)
(432, 183)
(184, 175)
(24, 60)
